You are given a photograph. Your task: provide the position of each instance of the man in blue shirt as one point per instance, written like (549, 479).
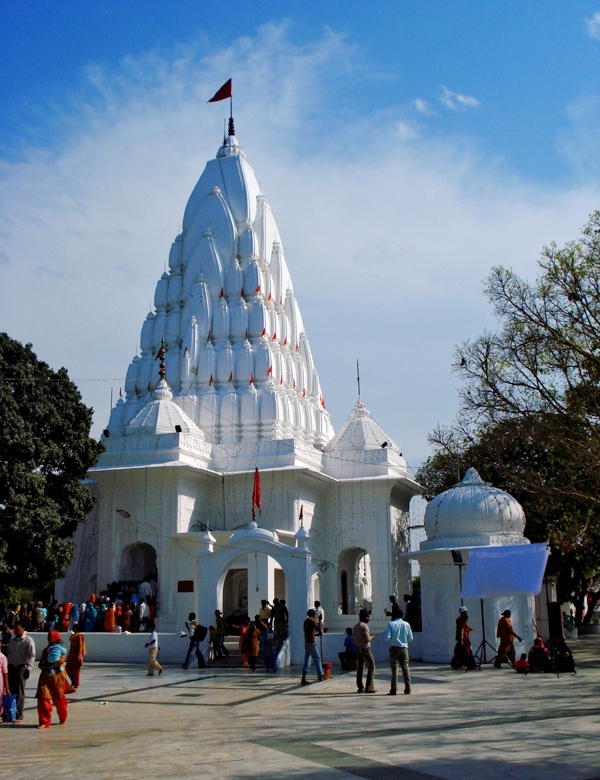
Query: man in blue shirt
(399, 633)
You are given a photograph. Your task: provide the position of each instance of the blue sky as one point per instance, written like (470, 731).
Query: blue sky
(404, 147)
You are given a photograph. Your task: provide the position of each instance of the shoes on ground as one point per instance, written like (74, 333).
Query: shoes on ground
(305, 682)
(360, 690)
(407, 692)
(392, 693)
(160, 670)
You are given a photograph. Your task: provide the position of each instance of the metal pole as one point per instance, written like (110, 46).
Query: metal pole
(483, 649)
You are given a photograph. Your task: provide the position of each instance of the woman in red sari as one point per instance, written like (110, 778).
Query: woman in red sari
(52, 685)
(75, 657)
(63, 621)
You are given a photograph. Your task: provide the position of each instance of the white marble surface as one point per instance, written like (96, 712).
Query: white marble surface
(234, 724)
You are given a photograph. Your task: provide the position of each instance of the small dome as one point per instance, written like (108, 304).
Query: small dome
(162, 414)
(473, 508)
(361, 432)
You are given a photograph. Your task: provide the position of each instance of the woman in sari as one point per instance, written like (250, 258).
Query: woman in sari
(252, 644)
(53, 683)
(75, 657)
(63, 621)
(109, 618)
(89, 618)
(4, 687)
(243, 631)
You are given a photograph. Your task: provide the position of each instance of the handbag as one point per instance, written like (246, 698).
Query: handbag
(9, 708)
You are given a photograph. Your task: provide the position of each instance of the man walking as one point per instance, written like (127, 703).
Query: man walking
(506, 634)
(21, 657)
(312, 629)
(152, 645)
(219, 643)
(362, 639)
(399, 633)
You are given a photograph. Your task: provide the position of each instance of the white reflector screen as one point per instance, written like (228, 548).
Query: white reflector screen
(505, 571)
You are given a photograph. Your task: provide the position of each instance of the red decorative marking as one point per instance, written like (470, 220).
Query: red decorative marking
(210, 381)
(230, 376)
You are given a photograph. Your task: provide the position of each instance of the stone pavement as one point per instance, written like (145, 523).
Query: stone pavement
(231, 723)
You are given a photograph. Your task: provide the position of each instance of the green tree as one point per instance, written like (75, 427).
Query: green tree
(529, 417)
(45, 453)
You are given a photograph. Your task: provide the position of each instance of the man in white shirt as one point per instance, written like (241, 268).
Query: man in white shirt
(144, 613)
(399, 633)
(144, 590)
(319, 613)
(152, 645)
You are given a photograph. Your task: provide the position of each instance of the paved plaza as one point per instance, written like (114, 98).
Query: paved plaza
(231, 723)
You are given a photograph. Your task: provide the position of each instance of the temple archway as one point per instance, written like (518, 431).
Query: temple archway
(137, 561)
(355, 581)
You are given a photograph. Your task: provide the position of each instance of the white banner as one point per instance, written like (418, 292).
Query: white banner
(505, 571)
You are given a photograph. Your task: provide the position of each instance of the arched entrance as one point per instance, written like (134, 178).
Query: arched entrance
(250, 579)
(265, 556)
(355, 580)
(137, 561)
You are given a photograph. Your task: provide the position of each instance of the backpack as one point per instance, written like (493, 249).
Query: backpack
(200, 633)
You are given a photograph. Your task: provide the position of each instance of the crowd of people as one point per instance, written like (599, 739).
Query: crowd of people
(124, 606)
(553, 656)
(264, 636)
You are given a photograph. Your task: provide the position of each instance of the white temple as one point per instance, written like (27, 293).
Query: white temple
(240, 390)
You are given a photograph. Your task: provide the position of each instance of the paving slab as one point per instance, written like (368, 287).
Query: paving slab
(232, 723)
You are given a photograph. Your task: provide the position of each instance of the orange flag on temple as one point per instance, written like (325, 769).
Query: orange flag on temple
(256, 494)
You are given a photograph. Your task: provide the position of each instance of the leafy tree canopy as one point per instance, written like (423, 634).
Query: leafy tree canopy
(45, 453)
(529, 417)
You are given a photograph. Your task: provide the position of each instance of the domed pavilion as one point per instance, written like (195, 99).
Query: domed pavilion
(469, 515)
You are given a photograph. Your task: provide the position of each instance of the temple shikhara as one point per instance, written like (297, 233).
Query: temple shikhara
(226, 384)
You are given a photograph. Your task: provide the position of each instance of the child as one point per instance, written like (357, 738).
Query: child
(522, 666)
(54, 654)
(348, 657)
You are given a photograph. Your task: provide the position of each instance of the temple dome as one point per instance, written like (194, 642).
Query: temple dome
(473, 513)
(360, 432)
(228, 317)
(362, 448)
(161, 415)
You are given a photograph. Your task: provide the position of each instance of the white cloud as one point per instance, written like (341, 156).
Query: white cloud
(387, 243)
(423, 107)
(407, 131)
(593, 26)
(454, 101)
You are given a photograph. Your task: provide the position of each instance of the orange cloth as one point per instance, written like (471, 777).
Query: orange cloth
(504, 631)
(109, 619)
(75, 658)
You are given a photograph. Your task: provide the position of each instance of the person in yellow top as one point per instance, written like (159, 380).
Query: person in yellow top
(506, 634)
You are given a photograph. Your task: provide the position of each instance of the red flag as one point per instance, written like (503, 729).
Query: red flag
(225, 92)
(270, 371)
(120, 393)
(301, 514)
(210, 381)
(256, 495)
(230, 376)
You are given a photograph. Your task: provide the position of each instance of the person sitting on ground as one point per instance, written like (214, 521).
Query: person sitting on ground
(539, 658)
(463, 653)
(522, 665)
(348, 657)
(563, 657)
